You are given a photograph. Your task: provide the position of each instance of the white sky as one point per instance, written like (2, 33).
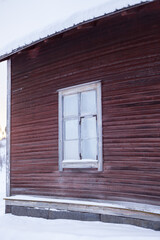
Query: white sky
(19, 18)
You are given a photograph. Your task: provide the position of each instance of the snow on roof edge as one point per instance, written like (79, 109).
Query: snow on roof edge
(21, 46)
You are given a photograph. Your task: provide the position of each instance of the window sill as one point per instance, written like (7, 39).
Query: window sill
(85, 163)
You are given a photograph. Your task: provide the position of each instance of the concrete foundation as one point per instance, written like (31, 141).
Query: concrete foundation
(82, 216)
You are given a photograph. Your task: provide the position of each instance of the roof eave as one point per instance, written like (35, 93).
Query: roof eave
(8, 55)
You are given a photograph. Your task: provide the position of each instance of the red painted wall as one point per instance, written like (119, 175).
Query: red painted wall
(123, 51)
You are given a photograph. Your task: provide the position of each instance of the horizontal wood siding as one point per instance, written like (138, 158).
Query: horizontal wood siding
(123, 51)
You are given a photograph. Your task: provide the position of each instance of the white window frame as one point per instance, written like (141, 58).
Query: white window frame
(98, 164)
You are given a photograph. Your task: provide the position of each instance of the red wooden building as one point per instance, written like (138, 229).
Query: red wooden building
(84, 120)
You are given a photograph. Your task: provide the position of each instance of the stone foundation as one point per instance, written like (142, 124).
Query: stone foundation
(82, 216)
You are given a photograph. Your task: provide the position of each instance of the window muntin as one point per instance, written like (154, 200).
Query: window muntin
(80, 138)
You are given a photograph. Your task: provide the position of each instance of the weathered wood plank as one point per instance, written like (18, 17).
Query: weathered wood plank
(122, 52)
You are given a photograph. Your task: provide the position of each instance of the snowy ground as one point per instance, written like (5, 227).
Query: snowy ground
(24, 228)
(17, 228)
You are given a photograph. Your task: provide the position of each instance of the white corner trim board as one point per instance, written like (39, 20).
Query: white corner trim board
(8, 127)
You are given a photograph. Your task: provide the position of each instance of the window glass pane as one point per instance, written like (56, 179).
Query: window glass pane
(89, 149)
(88, 102)
(70, 105)
(71, 129)
(88, 127)
(71, 150)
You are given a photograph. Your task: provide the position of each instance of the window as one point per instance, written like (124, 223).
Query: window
(80, 127)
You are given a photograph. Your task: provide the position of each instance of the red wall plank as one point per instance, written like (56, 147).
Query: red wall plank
(124, 53)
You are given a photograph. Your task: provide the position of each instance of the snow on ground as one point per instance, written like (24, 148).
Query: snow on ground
(24, 228)
(17, 228)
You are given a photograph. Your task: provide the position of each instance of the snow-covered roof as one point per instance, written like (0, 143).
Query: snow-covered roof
(110, 7)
